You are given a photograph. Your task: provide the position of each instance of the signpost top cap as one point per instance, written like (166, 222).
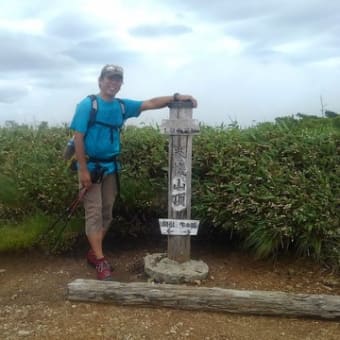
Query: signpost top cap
(179, 104)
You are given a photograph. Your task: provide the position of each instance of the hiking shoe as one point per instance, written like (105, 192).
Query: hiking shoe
(103, 270)
(93, 261)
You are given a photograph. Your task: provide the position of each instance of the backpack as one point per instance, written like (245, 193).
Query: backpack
(69, 151)
(94, 110)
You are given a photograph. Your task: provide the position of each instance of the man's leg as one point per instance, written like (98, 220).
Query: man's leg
(93, 219)
(98, 211)
(95, 232)
(96, 243)
(109, 194)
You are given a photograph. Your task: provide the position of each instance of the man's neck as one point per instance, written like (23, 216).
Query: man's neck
(106, 97)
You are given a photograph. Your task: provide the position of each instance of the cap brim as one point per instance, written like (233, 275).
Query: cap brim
(112, 73)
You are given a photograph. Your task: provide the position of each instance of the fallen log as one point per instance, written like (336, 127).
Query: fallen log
(206, 299)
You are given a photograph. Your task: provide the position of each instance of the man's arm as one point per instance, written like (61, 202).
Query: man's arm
(84, 175)
(160, 102)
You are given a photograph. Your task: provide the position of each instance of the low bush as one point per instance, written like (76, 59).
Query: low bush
(274, 186)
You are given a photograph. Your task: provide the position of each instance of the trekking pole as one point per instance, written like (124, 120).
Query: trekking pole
(67, 214)
(96, 177)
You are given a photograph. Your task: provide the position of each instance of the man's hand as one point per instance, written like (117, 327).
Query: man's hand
(84, 174)
(85, 179)
(160, 102)
(184, 97)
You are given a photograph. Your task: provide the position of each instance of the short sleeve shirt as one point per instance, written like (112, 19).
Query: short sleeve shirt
(103, 142)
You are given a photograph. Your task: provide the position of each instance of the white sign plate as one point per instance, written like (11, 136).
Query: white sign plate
(178, 227)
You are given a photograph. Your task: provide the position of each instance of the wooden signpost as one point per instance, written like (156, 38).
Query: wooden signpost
(178, 226)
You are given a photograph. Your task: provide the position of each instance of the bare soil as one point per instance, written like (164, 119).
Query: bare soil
(34, 304)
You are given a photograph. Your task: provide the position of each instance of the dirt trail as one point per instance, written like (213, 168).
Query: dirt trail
(33, 302)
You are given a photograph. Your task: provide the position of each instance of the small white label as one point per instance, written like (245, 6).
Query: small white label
(178, 227)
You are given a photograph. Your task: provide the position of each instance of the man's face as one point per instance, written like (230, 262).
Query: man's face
(110, 85)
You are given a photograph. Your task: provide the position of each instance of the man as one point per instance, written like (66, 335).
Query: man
(96, 147)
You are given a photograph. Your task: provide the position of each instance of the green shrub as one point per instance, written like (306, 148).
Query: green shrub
(32, 157)
(274, 186)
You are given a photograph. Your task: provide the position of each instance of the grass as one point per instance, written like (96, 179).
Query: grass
(28, 234)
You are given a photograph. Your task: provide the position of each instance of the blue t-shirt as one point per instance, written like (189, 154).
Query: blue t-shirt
(103, 142)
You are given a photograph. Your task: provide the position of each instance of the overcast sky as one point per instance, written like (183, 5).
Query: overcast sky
(245, 60)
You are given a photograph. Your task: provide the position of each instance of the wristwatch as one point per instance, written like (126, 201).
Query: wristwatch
(176, 99)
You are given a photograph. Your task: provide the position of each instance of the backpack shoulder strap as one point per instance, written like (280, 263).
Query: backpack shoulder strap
(122, 108)
(94, 109)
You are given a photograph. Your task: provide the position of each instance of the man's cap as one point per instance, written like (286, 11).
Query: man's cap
(111, 70)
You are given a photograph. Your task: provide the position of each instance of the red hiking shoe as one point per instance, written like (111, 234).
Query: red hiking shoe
(103, 270)
(93, 261)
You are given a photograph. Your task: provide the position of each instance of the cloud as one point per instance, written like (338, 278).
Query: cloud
(11, 93)
(159, 30)
(257, 57)
(74, 26)
(24, 52)
(100, 50)
(216, 10)
(263, 28)
(293, 12)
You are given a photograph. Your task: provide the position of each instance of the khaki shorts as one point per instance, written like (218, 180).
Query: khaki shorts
(98, 204)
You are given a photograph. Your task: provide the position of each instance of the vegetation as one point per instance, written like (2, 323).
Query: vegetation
(273, 187)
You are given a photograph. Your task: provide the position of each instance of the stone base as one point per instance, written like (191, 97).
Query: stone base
(161, 269)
